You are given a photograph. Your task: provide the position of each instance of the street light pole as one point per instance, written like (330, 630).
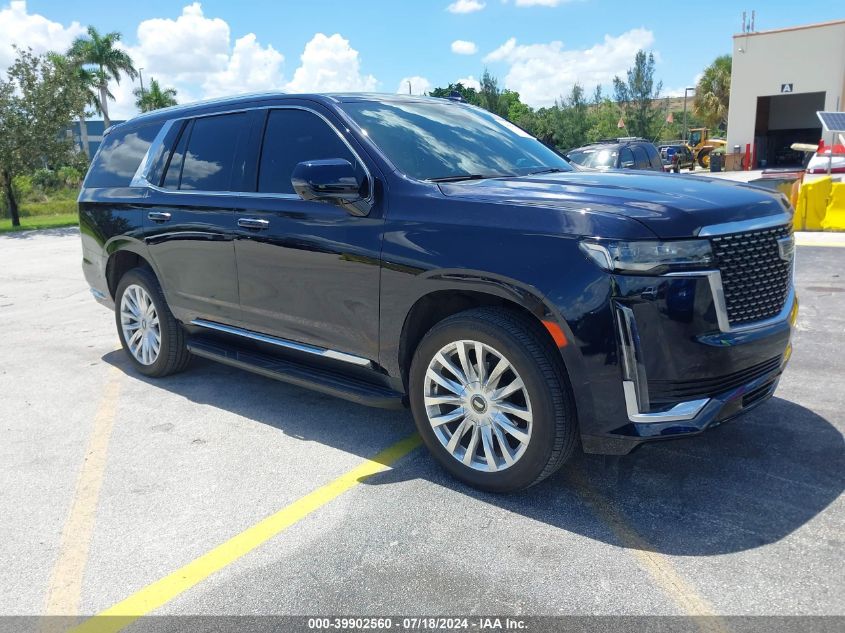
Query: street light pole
(686, 90)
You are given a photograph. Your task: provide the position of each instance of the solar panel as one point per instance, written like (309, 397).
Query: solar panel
(832, 121)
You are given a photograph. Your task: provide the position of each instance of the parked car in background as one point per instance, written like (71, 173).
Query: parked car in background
(620, 153)
(676, 156)
(408, 251)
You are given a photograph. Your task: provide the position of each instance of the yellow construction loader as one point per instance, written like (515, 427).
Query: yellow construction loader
(701, 145)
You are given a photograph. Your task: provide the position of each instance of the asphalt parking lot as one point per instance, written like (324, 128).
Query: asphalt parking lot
(111, 481)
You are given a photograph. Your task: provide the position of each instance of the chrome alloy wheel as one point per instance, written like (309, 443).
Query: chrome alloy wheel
(478, 406)
(139, 321)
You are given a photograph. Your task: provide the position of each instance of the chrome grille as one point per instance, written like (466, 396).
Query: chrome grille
(755, 278)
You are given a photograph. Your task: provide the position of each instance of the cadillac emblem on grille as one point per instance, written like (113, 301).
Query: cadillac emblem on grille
(786, 248)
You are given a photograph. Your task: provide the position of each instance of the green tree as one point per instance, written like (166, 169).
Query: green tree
(637, 96)
(713, 92)
(468, 94)
(109, 62)
(154, 97)
(87, 83)
(38, 100)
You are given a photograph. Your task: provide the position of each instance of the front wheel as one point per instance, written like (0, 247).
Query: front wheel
(150, 334)
(491, 400)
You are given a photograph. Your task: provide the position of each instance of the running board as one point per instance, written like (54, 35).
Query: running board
(325, 381)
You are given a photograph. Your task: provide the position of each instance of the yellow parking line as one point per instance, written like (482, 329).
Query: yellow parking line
(163, 591)
(658, 566)
(66, 581)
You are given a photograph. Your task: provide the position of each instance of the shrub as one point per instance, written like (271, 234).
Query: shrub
(45, 180)
(69, 176)
(23, 187)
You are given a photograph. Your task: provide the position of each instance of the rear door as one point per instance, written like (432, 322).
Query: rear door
(309, 271)
(190, 223)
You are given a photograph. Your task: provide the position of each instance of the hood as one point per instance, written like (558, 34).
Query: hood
(671, 205)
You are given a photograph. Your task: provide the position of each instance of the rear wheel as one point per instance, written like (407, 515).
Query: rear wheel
(704, 158)
(150, 334)
(491, 401)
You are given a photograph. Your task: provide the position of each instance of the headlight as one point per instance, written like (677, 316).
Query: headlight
(649, 257)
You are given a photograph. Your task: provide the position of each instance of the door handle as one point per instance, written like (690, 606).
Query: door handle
(158, 216)
(253, 223)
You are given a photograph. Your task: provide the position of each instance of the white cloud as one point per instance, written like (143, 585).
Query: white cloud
(540, 3)
(251, 68)
(32, 30)
(463, 47)
(186, 48)
(465, 6)
(470, 82)
(193, 53)
(543, 72)
(419, 85)
(330, 63)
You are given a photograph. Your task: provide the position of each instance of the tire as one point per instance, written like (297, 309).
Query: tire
(172, 355)
(704, 158)
(545, 394)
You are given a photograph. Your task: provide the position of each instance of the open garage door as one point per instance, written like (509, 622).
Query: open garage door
(783, 120)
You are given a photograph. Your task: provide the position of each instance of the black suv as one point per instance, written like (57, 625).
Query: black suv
(412, 251)
(620, 153)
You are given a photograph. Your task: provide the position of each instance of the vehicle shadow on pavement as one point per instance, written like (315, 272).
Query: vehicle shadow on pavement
(742, 485)
(739, 486)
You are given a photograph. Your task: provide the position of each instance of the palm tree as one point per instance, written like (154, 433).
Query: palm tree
(713, 92)
(154, 98)
(87, 82)
(108, 61)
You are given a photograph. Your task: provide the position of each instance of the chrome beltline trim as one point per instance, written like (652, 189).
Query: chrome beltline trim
(742, 226)
(273, 340)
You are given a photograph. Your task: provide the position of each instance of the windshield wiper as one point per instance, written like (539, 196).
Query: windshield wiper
(460, 177)
(550, 170)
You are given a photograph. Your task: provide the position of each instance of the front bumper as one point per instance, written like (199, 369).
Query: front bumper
(678, 370)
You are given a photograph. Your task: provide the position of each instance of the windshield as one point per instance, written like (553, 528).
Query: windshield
(431, 141)
(599, 157)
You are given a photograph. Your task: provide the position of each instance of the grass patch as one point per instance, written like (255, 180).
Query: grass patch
(40, 222)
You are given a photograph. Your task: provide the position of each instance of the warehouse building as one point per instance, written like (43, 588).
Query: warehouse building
(780, 79)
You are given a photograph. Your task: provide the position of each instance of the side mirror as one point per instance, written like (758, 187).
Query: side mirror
(331, 180)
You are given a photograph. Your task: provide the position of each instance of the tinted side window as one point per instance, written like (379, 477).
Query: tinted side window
(121, 153)
(626, 158)
(653, 156)
(174, 167)
(640, 158)
(293, 136)
(213, 148)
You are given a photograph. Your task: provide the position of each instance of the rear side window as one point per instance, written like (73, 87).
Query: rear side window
(174, 167)
(640, 158)
(653, 156)
(211, 162)
(293, 136)
(121, 153)
(626, 158)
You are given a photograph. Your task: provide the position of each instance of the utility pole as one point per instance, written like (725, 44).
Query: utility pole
(141, 77)
(686, 90)
(409, 88)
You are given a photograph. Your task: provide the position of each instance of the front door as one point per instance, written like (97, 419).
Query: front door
(308, 271)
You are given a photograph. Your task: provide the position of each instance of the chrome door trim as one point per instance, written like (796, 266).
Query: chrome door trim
(281, 342)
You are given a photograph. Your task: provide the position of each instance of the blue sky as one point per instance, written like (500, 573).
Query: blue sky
(375, 44)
